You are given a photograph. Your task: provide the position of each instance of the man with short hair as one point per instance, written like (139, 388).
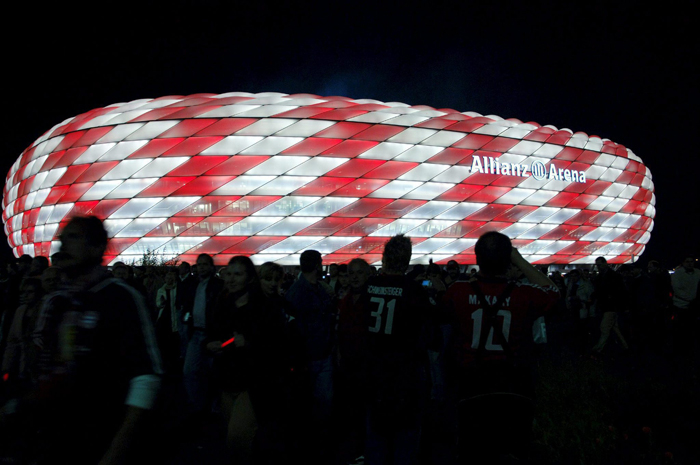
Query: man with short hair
(315, 316)
(198, 308)
(398, 335)
(492, 350)
(610, 299)
(99, 363)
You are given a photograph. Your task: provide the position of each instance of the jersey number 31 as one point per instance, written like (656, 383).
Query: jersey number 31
(379, 318)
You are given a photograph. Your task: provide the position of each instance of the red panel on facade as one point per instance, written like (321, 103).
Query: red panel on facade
(195, 166)
(203, 185)
(155, 148)
(95, 171)
(254, 244)
(349, 148)
(322, 186)
(187, 128)
(379, 132)
(165, 186)
(327, 226)
(362, 207)
(397, 208)
(390, 170)
(226, 127)
(343, 130)
(237, 165)
(192, 146)
(361, 187)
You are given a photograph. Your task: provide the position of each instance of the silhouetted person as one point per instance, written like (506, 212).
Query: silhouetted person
(99, 364)
(610, 299)
(492, 351)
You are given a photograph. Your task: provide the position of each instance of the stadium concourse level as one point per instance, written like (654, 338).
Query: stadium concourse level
(348, 364)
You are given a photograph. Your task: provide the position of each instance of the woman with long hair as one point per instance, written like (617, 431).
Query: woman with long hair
(242, 338)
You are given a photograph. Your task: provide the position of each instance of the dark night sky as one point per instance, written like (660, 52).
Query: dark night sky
(629, 75)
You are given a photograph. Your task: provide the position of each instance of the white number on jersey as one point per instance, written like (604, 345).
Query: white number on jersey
(379, 319)
(477, 316)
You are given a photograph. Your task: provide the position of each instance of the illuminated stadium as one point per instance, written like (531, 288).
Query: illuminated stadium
(269, 175)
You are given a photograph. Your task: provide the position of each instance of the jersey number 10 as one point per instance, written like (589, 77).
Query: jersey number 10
(477, 316)
(379, 318)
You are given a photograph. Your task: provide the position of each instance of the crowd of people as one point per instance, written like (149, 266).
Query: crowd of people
(354, 364)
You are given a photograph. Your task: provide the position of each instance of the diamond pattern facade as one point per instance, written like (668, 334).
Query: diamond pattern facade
(269, 175)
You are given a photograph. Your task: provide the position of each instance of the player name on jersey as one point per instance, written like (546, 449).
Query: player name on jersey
(380, 290)
(491, 299)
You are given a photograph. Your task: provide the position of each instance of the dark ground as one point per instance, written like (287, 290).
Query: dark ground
(640, 406)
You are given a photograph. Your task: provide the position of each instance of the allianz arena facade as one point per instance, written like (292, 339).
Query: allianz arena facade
(269, 175)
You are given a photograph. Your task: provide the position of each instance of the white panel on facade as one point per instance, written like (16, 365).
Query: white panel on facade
(122, 150)
(120, 132)
(526, 147)
(406, 120)
(430, 228)
(595, 171)
(539, 215)
(629, 221)
(59, 212)
(138, 227)
(265, 111)
(537, 231)
(599, 203)
(145, 245)
(611, 174)
(294, 244)
(40, 197)
(562, 215)
(242, 185)
(317, 166)
(152, 129)
(160, 167)
(444, 138)
(461, 211)
(126, 168)
(276, 165)
(265, 127)
(620, 163)
(516, 229)
(114, 226)
(596, 234)
(128, 116)
(129, 188)
(135, 207)
(539, 198)
(454, 174)
(100, 189)
(615, 205)
(249, 226)
(97, 121)
(400, 226)
(614, 190)
(555, 247)
(419, 153)
(432, 244)
(282, 185)
(516, 132)
(231, 145)
(629, 192)
(289, 226)
(279, 258)
(423, 172)
(326, 206)
(514, 196)
(430, 210)
(93, 153)
(37, 164)
(227, 111)
(305, 128)
(385, 151)
(534, 247)
(286, 206)
(490, 129)
(412, 135)
(605, 159)
(271, 145)
(333, 243)
(428, 191)
(395, 189)
(169, 206)
(180, 245)
(611, 235)
(53, 176)
(458, 246)
(373, 117)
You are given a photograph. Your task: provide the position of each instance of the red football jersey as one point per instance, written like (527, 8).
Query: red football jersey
(516, 315)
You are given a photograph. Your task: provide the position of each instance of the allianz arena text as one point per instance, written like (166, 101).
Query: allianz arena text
(270, 175)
